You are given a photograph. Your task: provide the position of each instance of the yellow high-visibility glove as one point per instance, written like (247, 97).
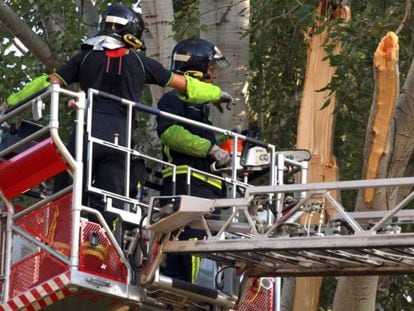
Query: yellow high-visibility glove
(29, 89)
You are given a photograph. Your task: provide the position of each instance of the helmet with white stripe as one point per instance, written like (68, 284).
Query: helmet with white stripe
(196, 54)
(119, 20)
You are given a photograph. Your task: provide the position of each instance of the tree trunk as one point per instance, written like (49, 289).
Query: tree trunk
(90, 16)
(223, 22)
(401, 163)
(315, 132)
(358, 293)
(288, 292)
(355, 293)
(159, 16)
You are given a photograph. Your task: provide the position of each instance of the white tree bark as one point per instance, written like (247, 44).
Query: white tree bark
(90, 16)
(355, 293)
(288, 293)
(403, 139)
(159, 16)
(225, 22)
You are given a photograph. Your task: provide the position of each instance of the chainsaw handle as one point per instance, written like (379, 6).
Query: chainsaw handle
(215, 169)
(256, 142)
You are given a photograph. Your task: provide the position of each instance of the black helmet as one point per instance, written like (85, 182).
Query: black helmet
(196, 54)
(119, 20)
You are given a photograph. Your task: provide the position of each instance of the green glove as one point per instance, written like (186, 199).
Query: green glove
(199, 92)
(28, 90)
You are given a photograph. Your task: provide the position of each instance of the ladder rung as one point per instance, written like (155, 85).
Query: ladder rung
(308, 256)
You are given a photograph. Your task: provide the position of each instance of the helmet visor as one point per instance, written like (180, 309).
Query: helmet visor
(219, 60)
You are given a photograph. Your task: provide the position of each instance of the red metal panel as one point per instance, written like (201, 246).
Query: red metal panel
(257, 298)
(34, 271)
(51, 223)
(102, 260)
(30, 168)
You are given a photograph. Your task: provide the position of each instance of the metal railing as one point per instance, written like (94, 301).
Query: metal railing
(275, 172)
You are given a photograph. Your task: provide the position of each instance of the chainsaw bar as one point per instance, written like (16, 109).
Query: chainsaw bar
(298, 155)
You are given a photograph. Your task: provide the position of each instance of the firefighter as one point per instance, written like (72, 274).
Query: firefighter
(109, 62)
(186, 145)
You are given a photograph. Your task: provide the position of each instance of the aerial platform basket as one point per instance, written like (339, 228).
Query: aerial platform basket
(48, 260)
(52, 258)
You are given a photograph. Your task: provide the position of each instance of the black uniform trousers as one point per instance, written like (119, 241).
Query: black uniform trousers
(179, 266)
(108, 165)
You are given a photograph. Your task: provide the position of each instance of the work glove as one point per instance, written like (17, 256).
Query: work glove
(222, 157)
(225, 98)
(31, 88)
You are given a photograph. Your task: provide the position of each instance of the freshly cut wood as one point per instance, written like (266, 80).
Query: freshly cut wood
(315, 132)
(382, 110)
(316, 125)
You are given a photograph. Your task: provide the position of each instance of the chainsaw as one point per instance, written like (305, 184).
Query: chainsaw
(256, 158)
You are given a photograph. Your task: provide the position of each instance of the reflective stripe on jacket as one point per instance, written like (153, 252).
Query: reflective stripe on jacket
(183, 169)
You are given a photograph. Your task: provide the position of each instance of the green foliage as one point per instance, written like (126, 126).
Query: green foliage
(187, 22)
(327, 293)
(278, 58)
(399, 295)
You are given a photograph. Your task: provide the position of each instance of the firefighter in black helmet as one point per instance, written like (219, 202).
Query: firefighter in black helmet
(109, 62)
(119, 20)
(195, 56)
(122, 23)
(185, 145)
